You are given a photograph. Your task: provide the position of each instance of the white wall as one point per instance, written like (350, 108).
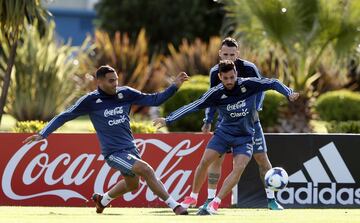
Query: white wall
(70, 4)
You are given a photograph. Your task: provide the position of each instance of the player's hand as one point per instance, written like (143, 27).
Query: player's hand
(180, 78)
(206, 128)
(33, 138)
(159, 122)
(294, 96)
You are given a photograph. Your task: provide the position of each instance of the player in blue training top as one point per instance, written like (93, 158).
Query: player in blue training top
(108, 108)
(229, 51)
(235, 99)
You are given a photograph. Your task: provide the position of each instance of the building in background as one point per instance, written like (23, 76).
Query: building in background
(74, 19)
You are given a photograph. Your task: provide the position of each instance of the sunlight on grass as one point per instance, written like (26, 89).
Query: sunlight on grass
(165, 215)
(79, 125)
(7, 123)
(318, 126)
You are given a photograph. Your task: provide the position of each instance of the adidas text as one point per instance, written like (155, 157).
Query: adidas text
(314, 194)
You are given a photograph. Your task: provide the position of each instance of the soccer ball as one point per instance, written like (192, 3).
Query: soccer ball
(276, 178)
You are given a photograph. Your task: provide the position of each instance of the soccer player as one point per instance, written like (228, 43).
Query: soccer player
(229, 51)
(108, 108)
(235, 99)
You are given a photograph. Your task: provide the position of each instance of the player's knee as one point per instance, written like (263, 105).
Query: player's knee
(236, 172)
(147, 170)
(264, 167)
(240, 168)
(262, 159)
(133, 186)
(143, 169)
(204, 163)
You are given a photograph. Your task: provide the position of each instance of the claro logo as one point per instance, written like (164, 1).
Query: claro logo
(319, 187)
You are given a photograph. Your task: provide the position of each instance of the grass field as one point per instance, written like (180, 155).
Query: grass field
(164, 215)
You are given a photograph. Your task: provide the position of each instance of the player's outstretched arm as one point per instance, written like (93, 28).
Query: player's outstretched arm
(265, 84)
(159, 122)
(156, 99)
(33, 138)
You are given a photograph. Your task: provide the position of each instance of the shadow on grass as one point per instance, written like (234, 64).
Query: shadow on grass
(169, 212)
(51, 213)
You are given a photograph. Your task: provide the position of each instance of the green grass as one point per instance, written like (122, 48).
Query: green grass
(165, 215)
(7, 123)
(81, 124)
(318, 126)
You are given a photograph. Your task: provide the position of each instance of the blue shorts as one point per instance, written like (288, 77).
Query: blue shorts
(123, 160)
(238, 145)
(259, 139)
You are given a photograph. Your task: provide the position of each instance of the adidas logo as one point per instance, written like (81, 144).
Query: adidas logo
(223, 96)
(317, 172)
(334, 170)
(98, 101)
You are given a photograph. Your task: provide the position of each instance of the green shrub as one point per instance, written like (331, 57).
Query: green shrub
(272, 105)
(193, 58)
(343, 127)
(342, 105)
(142, 127)
(190, 91)
(134, 64)
(44, 80)
(29, 126)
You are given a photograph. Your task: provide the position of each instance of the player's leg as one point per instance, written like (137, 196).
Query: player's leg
(242, 152)
(129, 183)
(240, 161)
(214, 174)
(263, 162)
(121, 162)
(215, 147)
(143, 169)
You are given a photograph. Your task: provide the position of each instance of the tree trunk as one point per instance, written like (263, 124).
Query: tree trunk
(295, 118)
(7, 78)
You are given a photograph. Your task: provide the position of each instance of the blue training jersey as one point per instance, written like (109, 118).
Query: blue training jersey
(244, 69)
(237, 106)
(110, 115)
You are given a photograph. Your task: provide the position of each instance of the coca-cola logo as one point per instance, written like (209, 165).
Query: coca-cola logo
(70, 172)
(237, 105)
(112, 112)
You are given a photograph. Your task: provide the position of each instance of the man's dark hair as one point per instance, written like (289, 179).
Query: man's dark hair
(103, 70)
(229, 42)
(226, 66)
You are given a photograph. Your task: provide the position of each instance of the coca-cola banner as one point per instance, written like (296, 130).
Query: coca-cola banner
(324, 171)
(66, 169)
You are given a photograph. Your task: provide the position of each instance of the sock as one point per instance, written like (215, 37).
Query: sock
(211, 193)
(217, 199)
(171, 202)
(106, 199)
(194, 195)
(269, 193)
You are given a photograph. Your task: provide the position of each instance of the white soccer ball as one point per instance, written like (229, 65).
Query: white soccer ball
(276, 178)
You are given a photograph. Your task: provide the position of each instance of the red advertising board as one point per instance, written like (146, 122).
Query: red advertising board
(66, 169)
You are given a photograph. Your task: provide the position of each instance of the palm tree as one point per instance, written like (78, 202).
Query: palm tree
(300, 31)
(13, 16)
